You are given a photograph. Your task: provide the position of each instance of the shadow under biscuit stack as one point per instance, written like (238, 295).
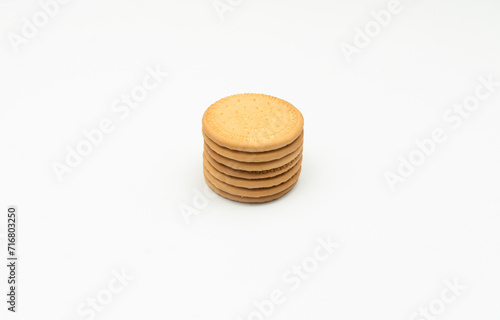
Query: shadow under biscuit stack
(252, 147)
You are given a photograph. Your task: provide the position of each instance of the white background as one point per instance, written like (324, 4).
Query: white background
(119, 209)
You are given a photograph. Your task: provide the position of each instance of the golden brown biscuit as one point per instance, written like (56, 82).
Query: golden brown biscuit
(246, 199)
(251, 193)
(255, 183)
(254, 156)
(252, 122)
(251, 174)
(253, 166)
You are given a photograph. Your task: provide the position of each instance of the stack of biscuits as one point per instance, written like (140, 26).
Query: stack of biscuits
(253, 147)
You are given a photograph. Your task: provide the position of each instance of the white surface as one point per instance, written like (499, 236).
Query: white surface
(119, 208)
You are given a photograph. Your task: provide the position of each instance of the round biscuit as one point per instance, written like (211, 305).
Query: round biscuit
(253, 166)
(252, 122)
(254, 156)
(251, 193)
(247, 199)
(251, 174)
(255, 183)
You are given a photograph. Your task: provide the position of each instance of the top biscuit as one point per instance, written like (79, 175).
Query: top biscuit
(252, 122)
